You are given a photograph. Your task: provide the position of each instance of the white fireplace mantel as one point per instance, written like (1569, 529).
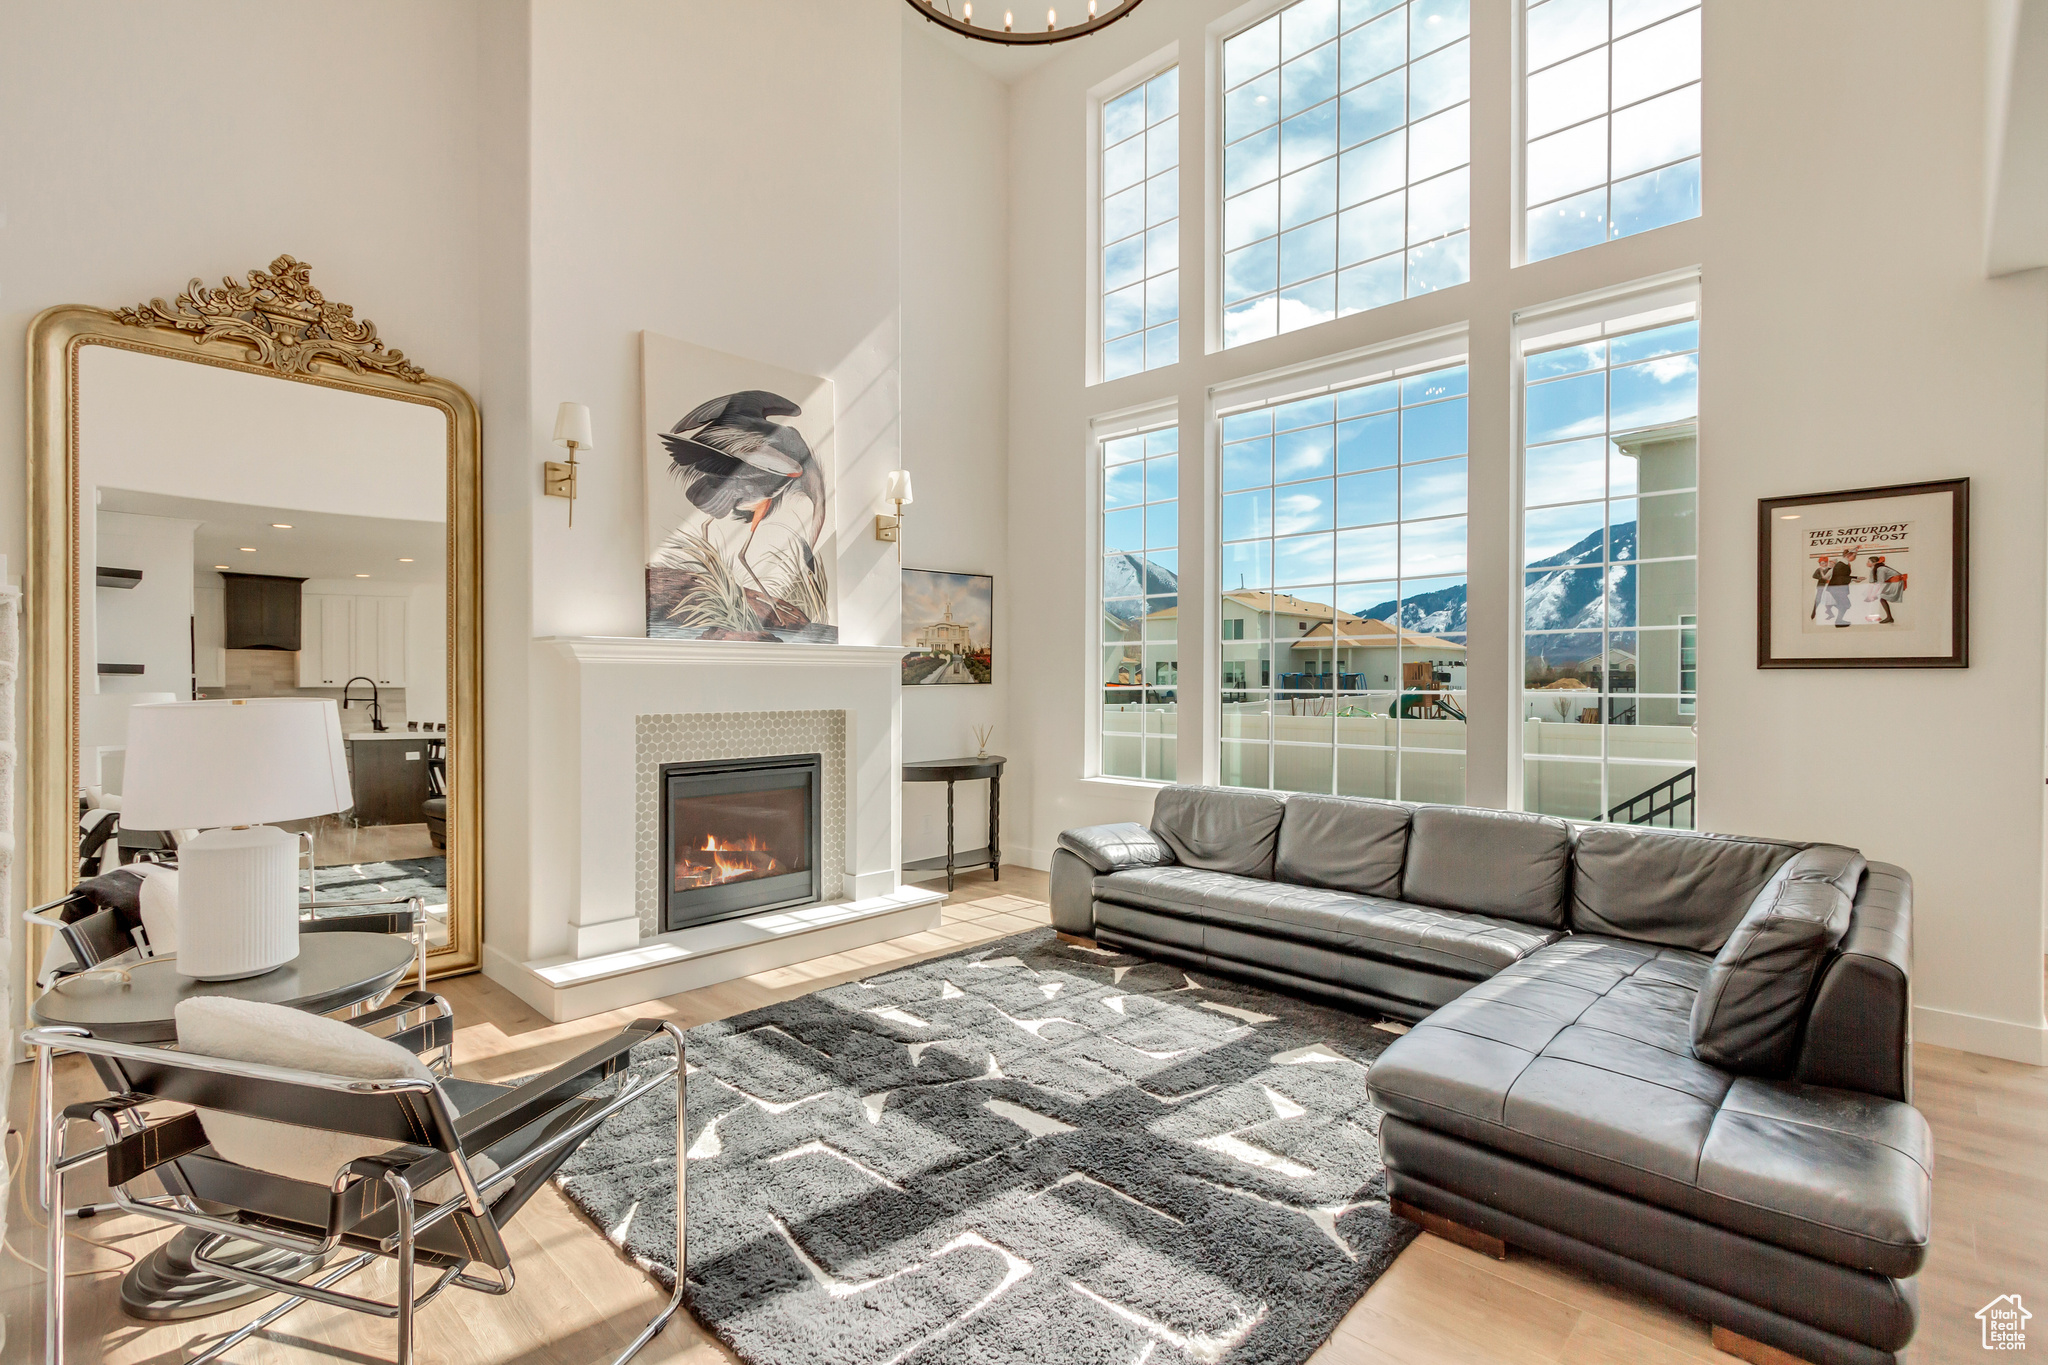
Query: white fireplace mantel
(610, 682)
(634, 649)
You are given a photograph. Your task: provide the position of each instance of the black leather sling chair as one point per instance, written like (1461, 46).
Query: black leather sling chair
(367, 1211)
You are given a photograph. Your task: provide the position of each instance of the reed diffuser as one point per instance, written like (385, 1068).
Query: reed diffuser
(981, 738)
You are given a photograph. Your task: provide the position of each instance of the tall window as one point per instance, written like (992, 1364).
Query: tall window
(1611, 119)
(1347, 139)
(1141, 227)
(1343, 591)
(1140, 604)
(1610, 564)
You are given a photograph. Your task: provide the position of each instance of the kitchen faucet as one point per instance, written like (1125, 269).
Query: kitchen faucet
(376, 707)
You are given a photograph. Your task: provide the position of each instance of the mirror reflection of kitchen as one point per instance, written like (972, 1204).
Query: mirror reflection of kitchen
(261, 538)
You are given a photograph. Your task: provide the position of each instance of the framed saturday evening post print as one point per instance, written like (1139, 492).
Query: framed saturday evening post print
(1865, 578)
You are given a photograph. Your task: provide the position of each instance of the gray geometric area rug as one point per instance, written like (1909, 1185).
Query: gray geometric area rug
(1028, 1153)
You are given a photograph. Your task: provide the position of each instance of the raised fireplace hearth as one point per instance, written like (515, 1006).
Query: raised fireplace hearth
(739, 836)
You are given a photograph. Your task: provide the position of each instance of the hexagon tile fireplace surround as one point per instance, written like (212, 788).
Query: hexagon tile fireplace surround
(742, 894)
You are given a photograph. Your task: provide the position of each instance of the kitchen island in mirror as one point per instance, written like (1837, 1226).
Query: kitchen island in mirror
(244, 493)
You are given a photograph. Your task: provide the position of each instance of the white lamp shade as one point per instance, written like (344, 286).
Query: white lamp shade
(899, 487)
(572, 424)
(204, 764)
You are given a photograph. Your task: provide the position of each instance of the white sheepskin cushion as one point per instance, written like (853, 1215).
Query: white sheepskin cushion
(158, 902)
(249, 1031)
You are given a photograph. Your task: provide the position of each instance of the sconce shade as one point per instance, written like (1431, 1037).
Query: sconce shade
(899, 487)
(572, 424)
(205, 764)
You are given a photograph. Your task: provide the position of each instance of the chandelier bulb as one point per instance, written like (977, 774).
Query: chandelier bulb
(1052, 20)
(1007, 19)
(1091, 9)
(967, 12)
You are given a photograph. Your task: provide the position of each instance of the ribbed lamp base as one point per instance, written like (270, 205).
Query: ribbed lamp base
(238, 902)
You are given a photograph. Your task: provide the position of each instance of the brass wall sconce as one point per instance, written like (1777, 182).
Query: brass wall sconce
(572, 429)
(889, 528)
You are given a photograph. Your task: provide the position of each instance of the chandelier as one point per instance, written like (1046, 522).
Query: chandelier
(1016, 33)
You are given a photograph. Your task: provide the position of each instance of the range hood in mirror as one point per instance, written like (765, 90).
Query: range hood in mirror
(262, 611)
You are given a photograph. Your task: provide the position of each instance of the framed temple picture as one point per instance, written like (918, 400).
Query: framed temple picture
(1865, 578)
(948, 628)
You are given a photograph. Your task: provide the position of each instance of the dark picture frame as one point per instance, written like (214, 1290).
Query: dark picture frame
(1956, 569)
(969, 662)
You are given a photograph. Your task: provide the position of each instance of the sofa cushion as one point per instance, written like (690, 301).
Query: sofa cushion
(1385, 987)
(1222, 829)
(1347, 843)
(1579, 1058)
(1669, 887)
(1507, 864)
(1750, 1010)
(1472, 947)
(1107, 848)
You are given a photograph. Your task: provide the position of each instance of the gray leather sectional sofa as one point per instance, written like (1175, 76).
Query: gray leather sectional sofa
(1678, 1061)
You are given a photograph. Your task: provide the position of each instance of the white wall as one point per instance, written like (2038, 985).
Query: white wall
(149, 624)
(1850, 339)
(955, 298)
(1851, 344)
(152, 425)
(746, 205)
(119, 185)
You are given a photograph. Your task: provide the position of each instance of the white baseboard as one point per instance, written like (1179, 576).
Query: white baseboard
(562, 989)
(1986, 1037)
(1039, 858)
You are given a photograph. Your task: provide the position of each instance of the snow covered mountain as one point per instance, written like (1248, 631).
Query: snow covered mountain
(1129, 575)
(1556, 599)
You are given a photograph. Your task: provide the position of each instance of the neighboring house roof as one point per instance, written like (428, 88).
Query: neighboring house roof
(1286, 605)
(1353, 631)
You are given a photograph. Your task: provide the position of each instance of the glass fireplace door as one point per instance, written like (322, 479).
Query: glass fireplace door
(739, 835)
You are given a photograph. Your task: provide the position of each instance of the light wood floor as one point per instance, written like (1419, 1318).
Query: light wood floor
(578, 1302)
(337, 844)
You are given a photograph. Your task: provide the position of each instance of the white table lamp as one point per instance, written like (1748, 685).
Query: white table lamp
(225, 767)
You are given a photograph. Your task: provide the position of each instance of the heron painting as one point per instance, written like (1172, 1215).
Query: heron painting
(739, 493)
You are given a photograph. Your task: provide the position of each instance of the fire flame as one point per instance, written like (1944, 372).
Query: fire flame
(725, 869)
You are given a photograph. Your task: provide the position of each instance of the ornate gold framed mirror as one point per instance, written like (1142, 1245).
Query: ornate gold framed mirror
(245, 492)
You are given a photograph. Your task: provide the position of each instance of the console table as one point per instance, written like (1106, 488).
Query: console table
(949, 771)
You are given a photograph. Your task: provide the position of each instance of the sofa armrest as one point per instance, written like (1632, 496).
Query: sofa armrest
(1859, 1028)
(1072, 894)
(1114, 848)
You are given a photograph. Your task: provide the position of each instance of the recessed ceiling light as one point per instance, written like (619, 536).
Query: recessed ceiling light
(280, 526)
(362, 575)
(1789, 516)
(220, 566)
(248, 549)
(405, 561)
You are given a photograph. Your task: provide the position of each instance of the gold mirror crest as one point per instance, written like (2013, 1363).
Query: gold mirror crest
(285, 322)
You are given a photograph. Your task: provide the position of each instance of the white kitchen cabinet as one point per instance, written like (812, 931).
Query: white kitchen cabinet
(326, 639)
(363, 651)
(342, 636)
(390, 657)
(209, 637)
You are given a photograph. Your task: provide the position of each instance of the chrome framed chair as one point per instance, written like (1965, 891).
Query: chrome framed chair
(367, 1210)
